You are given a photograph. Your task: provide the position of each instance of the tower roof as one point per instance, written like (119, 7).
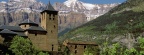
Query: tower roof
(49, 7)
(6, 31)
(28, 22)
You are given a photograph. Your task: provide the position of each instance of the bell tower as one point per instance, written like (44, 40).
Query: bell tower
(49, 22)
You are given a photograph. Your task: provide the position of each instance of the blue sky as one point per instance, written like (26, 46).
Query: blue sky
(87, 1)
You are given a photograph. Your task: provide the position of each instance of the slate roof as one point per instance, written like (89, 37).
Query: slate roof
(28, 22)
(20, 34)
(49, 7)
(13, 28)
(6, 31)
(36, 28)
(79, 42)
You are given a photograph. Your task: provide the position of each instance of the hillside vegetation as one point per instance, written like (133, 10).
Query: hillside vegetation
(123, 22)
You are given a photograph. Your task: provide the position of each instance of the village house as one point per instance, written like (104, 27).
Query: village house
(78, 47)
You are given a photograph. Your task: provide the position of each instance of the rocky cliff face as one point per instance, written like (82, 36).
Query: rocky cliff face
(91, 11)
(15, 11)
(72, 13)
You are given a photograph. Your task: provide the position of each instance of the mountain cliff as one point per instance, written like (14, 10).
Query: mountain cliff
(72, 13)
(91, 11)
(15, 11)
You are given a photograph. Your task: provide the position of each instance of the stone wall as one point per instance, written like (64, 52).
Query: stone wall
(43, 42)
(39, 41)
(1, 39)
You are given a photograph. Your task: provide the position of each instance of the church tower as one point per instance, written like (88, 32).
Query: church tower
(49, 22)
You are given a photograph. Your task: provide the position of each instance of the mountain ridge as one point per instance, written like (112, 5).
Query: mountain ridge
(15, 11)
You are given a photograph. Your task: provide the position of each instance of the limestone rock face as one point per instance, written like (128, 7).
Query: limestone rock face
(16, 11)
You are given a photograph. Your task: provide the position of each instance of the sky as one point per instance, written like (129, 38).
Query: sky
(86, 1)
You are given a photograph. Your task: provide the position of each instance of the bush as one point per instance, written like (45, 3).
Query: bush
(22, 46)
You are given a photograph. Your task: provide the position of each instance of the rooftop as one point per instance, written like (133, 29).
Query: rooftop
(13, 28)
(28, 22)
(20, 34)
(35, 28)
(79, 43)
(49, 7)
(6, 31)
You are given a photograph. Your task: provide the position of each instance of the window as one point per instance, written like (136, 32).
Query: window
(35, 34)
(70, 45)
(65, 19)
(49, 18)
(75, 51)
(75, 46)
(52, 47)
(84, 47)
(54, 26)
(53, 18)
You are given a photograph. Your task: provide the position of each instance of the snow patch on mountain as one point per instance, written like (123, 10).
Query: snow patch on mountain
(22, 0)
(89, 6)
(17, 0)
(73, 3)
(69, 2)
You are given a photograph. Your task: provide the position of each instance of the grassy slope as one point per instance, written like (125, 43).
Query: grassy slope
(125, 18)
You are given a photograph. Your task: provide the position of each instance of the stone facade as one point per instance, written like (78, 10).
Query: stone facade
(1, 39)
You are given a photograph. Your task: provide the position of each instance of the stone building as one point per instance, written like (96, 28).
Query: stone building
(78, 47)
(43, 36)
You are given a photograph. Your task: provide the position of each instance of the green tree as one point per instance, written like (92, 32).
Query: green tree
(91, 50)
(66, 51)
(141, 46)
(110, 50)
(22, 46)
(111, 28)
